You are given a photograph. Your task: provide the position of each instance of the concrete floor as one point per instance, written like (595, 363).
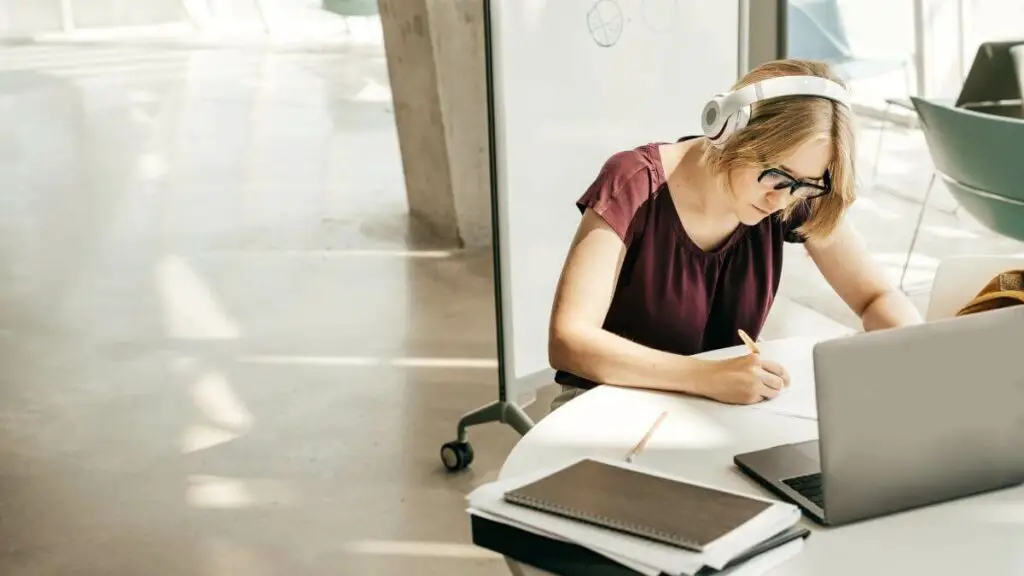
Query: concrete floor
(226, 349)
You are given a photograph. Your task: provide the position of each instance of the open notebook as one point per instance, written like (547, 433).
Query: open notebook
(796, 355)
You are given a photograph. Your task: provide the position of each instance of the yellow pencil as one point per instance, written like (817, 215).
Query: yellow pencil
(643, 441)
(749, 342)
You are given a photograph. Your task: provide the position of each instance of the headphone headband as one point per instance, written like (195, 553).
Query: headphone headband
(785, 86)
(728, 113)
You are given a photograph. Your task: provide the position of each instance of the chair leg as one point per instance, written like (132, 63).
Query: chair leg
(881, 133)
(907, 80)
(917, 230)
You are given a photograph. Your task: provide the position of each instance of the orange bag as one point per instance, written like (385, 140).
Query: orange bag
(1006, 289)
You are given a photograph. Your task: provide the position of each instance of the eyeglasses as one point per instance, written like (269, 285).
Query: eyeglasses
(802, 189)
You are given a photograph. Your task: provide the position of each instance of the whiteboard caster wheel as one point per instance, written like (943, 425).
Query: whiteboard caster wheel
(456, 455)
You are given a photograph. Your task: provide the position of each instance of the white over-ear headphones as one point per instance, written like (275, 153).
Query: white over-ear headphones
(726, 114)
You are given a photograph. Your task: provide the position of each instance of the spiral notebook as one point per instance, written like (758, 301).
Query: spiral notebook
(630, 501)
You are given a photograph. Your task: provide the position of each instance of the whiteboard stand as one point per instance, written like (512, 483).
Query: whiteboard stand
(458, 454)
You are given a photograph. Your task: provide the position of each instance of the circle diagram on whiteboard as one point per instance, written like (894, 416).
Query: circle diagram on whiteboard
(605, 21)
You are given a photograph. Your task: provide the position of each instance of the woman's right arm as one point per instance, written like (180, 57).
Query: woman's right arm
(578, 343)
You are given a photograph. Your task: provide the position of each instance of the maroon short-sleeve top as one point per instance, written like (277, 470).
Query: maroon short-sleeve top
(671, 294)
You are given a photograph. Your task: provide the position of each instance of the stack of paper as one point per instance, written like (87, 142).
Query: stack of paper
(752, 547)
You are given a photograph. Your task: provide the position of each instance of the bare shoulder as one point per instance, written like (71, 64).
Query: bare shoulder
(670, 153)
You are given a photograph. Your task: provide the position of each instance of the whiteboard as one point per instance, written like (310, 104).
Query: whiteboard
(574, 81)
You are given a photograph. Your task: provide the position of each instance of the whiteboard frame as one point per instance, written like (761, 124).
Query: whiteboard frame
(499, 228)
(516, 392)
(512, 388)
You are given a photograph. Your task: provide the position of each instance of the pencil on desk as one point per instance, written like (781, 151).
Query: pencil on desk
(749, 342)
(643, 441)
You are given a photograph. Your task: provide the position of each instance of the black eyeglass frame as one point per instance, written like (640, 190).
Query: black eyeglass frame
(796, 184)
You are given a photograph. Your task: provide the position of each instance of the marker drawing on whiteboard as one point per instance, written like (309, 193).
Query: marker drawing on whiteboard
(605, 21)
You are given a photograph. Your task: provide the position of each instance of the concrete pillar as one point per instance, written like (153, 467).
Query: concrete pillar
(435, 53)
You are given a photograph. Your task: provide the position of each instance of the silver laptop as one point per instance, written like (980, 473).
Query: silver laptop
(906, 418)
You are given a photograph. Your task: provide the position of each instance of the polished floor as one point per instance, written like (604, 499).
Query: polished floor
(226, 349)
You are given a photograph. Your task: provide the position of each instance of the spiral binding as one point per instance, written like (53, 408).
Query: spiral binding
(600, 520)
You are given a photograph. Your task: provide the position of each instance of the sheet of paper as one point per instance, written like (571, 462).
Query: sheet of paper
(796, 356)
(634, 565)
(767, 561)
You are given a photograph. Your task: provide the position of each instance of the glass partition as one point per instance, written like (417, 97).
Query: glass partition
(870, 43)
(991, 20)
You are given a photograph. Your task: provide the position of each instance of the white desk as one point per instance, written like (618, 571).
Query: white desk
(977, 535)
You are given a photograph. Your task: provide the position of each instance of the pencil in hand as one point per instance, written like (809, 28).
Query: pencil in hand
(755, 350)
(749, 342)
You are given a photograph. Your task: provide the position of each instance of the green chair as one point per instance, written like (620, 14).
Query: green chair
(979, 158)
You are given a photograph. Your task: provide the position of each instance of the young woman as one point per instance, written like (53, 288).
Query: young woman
(681, 244)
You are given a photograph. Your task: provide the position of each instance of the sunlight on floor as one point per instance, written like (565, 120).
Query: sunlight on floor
(216, 399)
(343, 253)
(200, 437)
(950, 232)
(190, 310)
(152, 166)
(373, 92)
(223, 416)
(871, 205)
(482, 363)
(227, 493)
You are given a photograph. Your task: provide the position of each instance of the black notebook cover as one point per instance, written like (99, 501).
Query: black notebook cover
(660, 509)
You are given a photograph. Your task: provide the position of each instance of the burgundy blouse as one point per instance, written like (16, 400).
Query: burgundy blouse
(672, 295)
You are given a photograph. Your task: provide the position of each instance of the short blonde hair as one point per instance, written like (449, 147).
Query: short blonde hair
(779, 126)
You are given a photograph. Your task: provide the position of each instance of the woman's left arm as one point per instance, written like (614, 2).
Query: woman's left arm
(846, 264)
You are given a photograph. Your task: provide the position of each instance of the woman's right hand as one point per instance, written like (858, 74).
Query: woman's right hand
(745, 379)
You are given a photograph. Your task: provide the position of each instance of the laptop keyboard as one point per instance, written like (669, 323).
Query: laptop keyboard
(809, 487)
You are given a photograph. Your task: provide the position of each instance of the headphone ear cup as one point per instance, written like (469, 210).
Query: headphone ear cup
(711, 119)
(728, 128)
(733, 124)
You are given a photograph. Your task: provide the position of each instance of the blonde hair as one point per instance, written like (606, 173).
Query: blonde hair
(779, 126)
